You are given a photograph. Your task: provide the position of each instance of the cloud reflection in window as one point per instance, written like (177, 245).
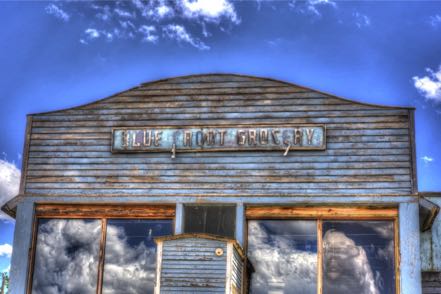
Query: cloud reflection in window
(358, 257)
(130, 256)
(66, 257)
(284, 256)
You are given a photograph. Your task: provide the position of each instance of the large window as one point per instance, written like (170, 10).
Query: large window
(329, 251)
(67, 256)
(358, 257)
(130, 258)
(284, 255)
(97, 249)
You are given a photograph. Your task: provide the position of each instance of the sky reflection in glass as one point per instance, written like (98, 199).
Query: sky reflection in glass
(66, 256)
(358, 257)
(130, 256)
(284, 256)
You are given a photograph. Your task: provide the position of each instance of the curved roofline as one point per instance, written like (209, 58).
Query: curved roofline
(225, 74)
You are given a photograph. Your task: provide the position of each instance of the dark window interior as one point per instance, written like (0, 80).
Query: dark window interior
(215, 220)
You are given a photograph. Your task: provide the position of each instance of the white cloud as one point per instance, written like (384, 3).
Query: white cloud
(275, 42)
(104, 13)
(321, 2)
(9, 183)
(109, 36)
(341, 252)
(180, 34)
(205, 32)
(282, 260)
(361, 20)
(129, 268)
(162, 11)
(5, 250)
(135, 19)
(56, 11)
(92, 33)
(127, 24)
(430, 85)
(148, 34)
(279, 266)
(123, 13)
(209, 10)
(311, 6)
(388, 252)
(155, 10)
(383, 229)
(427, 159)
(69, 248)
(435, 21)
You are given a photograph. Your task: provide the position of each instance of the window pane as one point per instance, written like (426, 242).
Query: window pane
(66, 256)
(216, 220)
(130, 256)
(358, 257)
(284, 256)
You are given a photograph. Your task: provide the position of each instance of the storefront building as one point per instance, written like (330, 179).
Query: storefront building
(223, 183)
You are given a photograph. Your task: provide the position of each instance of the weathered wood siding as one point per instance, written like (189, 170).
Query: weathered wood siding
(431, 282)
(369, 149)
(191, 265)
(431, 244)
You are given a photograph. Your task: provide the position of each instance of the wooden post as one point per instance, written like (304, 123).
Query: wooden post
(410, 266)
(240, 223)
(179, 218)
(20, 265)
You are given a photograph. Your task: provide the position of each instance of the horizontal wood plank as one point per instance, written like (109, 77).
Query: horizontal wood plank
(216, 192)
(218, 159)
(137, 113)
(220, 179)
(256, 212)
(219, 172)
(104, 211)
(297, 117)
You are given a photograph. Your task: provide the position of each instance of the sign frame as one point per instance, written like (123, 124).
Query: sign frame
(280, 147)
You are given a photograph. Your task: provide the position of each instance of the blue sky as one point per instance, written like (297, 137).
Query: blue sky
(60, 54)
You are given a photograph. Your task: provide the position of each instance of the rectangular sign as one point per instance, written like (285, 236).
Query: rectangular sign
(221, 138)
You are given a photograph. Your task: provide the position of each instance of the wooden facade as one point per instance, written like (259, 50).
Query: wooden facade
(363, 169)
(368, 152)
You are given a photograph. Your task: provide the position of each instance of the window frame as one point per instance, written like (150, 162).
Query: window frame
(95, 211)
(328, 213)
